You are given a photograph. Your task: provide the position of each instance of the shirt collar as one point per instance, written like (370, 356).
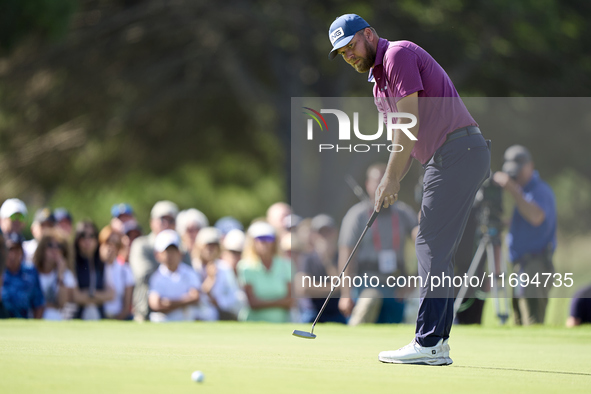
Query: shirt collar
(380, 52)
(532, 182)
(166, 272)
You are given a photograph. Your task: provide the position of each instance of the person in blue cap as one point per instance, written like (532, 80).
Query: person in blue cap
(446, 140)
(121, 214)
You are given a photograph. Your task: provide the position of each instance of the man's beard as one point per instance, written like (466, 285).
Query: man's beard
(365, 64)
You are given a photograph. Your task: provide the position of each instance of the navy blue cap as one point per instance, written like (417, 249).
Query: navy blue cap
(62, 213)
(44, 215)
(121, 209)
(343, 30)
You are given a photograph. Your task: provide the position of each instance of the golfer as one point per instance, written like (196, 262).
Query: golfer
(453, 153)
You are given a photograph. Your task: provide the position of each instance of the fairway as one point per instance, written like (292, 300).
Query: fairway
(114, 357)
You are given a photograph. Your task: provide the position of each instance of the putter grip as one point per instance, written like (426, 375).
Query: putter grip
(373, 217)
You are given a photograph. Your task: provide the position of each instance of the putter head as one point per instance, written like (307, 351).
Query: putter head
(303, 334)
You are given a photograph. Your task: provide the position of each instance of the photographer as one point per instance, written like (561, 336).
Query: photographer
(532, 235)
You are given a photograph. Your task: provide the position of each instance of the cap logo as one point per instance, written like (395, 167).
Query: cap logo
(335, 35)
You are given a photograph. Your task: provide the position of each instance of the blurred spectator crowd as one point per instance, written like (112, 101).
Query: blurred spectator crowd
(182, 268)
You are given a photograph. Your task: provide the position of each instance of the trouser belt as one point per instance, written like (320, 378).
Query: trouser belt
(463, 132)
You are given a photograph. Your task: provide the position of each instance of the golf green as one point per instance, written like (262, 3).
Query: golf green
(115, 357)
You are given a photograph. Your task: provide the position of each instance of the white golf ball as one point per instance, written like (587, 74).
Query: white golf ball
(197, 376)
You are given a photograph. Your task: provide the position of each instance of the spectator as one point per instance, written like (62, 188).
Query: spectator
(233, 245)
(291, 222)
(131, 231)
(64, 221)
(302, 309)
(276, 217)
(188, 224)
(227, 224)
(44, 220)
(142, 260)
(318, 264)
(580, 308)
(218, 284)
(121, 214)
(3, 313)
(56, 279)
(118, 275)
(12, 216)
(303, 235)
(174, 286)
(92, 292)
(532, 235)
(21, 291)
(265, 277)
(380, 254)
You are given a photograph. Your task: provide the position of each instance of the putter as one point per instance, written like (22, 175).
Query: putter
(311, 335)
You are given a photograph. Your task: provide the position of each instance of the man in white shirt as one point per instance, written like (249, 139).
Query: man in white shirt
(174, 287)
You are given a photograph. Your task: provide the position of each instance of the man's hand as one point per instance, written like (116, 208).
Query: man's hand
(505, 181)
(386, 193)
(530, 210)
(211, 270)
(346, 306)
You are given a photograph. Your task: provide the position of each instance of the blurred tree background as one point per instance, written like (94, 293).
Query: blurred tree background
(104, 101)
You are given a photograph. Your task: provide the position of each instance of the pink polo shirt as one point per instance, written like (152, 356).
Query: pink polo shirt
(402, 68)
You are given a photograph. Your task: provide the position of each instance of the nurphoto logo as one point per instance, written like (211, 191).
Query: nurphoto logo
(344, 132)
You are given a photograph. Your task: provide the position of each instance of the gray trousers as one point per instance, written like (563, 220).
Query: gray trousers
(452, 178)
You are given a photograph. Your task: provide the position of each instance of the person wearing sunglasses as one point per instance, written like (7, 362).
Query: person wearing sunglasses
(13, 213)
(93, 290)
(265, 276)
(56, 279)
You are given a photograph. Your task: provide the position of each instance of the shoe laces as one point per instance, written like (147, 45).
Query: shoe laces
(411, 344)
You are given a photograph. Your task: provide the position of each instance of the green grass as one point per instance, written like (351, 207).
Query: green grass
(113, 357)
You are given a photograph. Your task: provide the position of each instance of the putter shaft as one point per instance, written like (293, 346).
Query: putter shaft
(373, 217)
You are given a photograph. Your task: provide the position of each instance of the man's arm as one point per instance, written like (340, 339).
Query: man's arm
(399, 162)
(530, 211)
(164, 305)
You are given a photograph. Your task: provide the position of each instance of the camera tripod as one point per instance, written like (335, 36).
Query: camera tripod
(491, 245)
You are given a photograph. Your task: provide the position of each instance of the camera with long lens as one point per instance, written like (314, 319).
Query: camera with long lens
(490, 202)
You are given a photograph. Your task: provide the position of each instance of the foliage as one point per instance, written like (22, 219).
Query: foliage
(42, 18)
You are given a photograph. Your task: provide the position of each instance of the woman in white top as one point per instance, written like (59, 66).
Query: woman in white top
(118, 275)
(57, 281)
(217, 284)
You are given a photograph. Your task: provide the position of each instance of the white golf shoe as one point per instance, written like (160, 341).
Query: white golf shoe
(446, 352)
(413, 353)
